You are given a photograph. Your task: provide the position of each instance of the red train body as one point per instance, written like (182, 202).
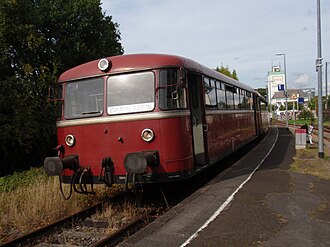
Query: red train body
(150, 118)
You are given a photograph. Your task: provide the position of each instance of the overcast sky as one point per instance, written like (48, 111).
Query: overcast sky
(243, 34)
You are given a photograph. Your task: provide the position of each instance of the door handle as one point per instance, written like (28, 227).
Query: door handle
(194, 121)
(205, 127)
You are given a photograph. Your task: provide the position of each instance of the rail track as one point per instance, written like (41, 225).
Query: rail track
(81, 229)
(326, 129)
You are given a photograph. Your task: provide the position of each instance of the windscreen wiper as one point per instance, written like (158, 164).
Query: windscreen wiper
(91, 112)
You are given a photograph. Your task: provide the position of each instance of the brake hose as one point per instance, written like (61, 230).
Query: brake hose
(71, 185)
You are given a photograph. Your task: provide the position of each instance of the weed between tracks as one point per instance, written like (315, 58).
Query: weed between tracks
(28, 204)
(92, 229)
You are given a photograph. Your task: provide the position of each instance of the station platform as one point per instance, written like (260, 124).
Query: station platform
(256, 202)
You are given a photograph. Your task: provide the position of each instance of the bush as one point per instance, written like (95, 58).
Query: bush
(306, 114)
(21, 179)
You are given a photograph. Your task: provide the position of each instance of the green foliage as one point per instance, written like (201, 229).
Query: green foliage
(38, 41)
(226, 71)
(21, 179)
(262, 91)
(300, 121)
(306, 114)
(312, 104)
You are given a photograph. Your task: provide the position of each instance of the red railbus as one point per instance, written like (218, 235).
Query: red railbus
(149, 118)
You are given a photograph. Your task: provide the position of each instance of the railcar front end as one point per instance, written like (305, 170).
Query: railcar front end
(122, 125)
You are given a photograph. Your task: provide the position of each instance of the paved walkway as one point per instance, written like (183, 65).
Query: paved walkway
(273, 207)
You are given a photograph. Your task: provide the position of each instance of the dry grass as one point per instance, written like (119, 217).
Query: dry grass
(29, 207)
(117, 216)
(308, 162)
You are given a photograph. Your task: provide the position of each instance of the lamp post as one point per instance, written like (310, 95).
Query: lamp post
(326, 85)
(294, 99)
(319, 77)
(286, 90)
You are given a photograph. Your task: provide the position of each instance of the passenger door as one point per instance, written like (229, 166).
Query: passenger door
(257, 114)
(198, 121)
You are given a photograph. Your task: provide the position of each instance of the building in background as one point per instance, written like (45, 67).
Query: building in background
(276, 88)
(276, 81)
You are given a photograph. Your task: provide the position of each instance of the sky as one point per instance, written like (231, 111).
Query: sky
(244, 35)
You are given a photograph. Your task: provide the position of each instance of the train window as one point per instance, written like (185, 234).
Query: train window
(129, 93)
(242, 99)
(84, 98)
(172, 94)
(249, 101)
(221, 95)
(207, 89)
(236, 98)
(210, 93)
(263, 106)
(218, 84)
(229, 97)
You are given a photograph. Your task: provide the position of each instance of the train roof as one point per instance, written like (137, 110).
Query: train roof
(136, 62)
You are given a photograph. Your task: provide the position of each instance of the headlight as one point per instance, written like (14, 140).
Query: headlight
(70, 140)
(147, 135)
(103, 64)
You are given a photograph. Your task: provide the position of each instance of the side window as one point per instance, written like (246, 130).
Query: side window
(221, 95)
(210, 93)
(207, 89)
(229, 97)
(249, 101)
(172, 94)
(236, 98)
(242, 99)
(213, 93)
(263, 106)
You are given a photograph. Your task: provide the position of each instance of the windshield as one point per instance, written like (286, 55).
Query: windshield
(130, 93)
(84, 98)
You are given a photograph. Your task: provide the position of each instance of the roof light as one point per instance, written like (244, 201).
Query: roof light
(103, 64)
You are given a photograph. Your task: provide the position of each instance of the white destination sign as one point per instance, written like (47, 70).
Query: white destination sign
(112, 110)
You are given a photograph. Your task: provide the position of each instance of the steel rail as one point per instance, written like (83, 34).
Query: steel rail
(127, 230)
(29, 238)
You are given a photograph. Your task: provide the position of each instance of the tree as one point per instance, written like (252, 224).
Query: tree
(262, 91)
(39, 40)
(312, 104)
(306, 114)
(226, 71)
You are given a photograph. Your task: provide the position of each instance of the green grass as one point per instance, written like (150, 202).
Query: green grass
(308, 121)
(302, 122)
(21, 179)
